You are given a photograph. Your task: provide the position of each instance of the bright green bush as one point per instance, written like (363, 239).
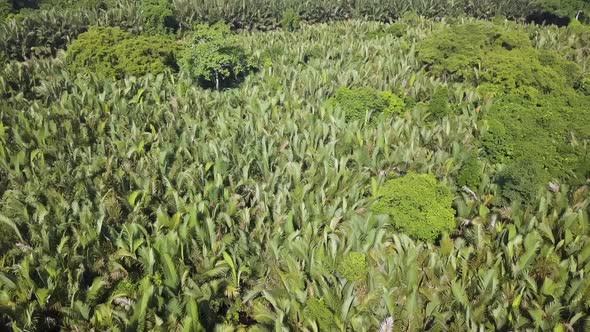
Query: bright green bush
(213, 56)
(112, 52)
(505, 58)
(456, 50)
(417, 205)
(395, 104)
(146, 55)
(356, 102)
(521, 71)
(539, 132)
(536, 110)
(353, 267)
(92, 51)
(495, 142)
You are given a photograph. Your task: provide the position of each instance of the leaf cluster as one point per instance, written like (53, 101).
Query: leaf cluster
(417, 205)
(357, 103)
(112, 52)
(213, 57)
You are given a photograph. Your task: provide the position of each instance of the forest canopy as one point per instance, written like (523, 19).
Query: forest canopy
(382, 165)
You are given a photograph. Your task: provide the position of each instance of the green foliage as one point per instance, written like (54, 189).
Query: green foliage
(534, 134)
(93, 51)
(505, 57)
(290, 20)
(521, 180)
(53, 30)
(77, 4)
(149, 204)
(534, 141)
(470, 174)
(417, 205)
(264, 14)
(319, 312)
(111, 52)
(158, 15)
(354, 266)
(213, 56)
(522, 72)
(439, 104)
(395, 29)
(457, 50)
(8, 235)
(5, 9)
(146, 55)
(357, 102)
(536, 110)
(395, 104)
(569, 8)
(454, 50)
(585, 85)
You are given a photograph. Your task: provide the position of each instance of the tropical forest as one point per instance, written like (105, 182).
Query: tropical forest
(295, 165)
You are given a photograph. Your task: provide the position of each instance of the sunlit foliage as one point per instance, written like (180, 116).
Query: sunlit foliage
(151, 202)
(110, 52)
(213, 56)
(417, 205)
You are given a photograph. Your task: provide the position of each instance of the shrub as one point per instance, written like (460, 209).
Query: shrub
(521, 71)
(357, 102)
(395, 29)
(439, 104)
(470, 173)
(537, 113)
(353, 267)
(318, 311)
(146, 55)
(112, 52)
(495, 142)
(456, 50)
(290, 20)
(521, 180)
(158, 15)
(395, 104)
(539, 132)
(92, 51)
(213, 56)
(417, 205)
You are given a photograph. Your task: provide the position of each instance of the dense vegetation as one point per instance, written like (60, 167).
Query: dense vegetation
(324, 165)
